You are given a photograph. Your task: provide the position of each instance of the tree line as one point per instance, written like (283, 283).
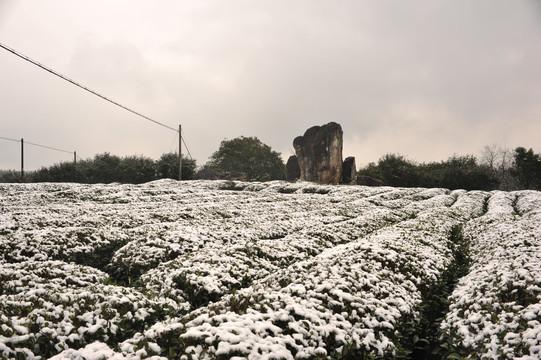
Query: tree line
(249, 159)
(496, 169)
(107, 168)
(245, 157)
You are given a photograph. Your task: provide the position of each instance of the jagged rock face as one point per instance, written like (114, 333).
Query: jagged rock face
(319, 152)
(349, 171)
(293, 171)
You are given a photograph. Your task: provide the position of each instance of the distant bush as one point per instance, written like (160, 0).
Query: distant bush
(167, 167)
(499, 168)
(458, 172)
(10, 176)
(247, 158)
(107, 168)
(393, 170)
(528, 168)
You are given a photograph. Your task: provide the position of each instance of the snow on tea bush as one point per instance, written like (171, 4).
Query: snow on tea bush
(495, 311)
(49, 306)
(203, 270)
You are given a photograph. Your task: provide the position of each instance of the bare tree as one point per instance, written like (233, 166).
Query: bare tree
(500, 160)
(491, 155)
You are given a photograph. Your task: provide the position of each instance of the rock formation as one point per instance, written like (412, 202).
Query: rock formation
(319, 153)
(293, 171)
(349, 171)
(368, 181)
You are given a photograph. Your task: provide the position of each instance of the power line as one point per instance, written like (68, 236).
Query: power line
(186, 146)
(42, 146)
(5, 138)
(48, 147)
(24, 57)
(71, 152)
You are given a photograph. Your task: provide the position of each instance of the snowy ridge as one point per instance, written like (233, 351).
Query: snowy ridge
(495, 311)
(216, 269)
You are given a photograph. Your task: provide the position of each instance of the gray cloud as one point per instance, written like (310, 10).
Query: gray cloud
(426, 79)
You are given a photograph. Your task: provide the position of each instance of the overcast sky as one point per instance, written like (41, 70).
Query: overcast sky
(426, 79)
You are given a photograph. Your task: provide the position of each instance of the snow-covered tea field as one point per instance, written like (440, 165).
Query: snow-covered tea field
(221, 270)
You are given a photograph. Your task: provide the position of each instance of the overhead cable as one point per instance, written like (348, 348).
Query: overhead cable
(48, 147)
(24, 57)
(31, 143)
(186, 146)
(5, 138)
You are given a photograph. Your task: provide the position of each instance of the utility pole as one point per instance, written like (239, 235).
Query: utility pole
(180, 152)
(75, 157)
(22, 159)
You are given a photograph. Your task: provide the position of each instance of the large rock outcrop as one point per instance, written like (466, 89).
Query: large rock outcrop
(319, 153)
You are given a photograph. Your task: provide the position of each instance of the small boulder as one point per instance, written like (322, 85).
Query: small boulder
(349, 171)
(293, 171)
(368, 181)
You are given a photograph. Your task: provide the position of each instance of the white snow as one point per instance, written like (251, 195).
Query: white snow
(267, 271)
